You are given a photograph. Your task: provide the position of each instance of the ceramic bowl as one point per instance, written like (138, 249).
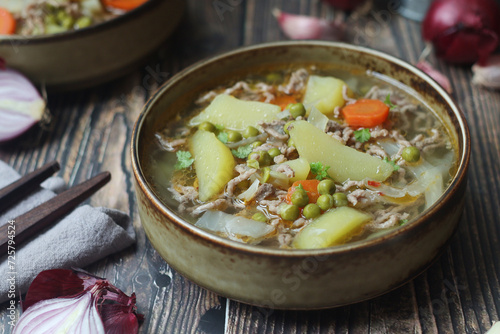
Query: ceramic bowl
(96, 54)
(285, 278)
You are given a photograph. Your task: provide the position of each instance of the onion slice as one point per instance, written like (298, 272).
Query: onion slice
(235, 227)
(21, 106)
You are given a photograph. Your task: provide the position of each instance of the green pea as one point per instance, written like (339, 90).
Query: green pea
(325, 202)
(207, 126)
(311, 210)
(83, 22)
(296, 110)
(61, 15)
(260, 217)
(289, 212)
(54, 29)
(285, 127)
(265, 175)
(291, 143)
(252, 163)
(299, 197)
(250, 132)
(326, 186)
(274, 152)
(255, 144)
(67, 22)
(264, 158)
(411, 154)
(233, 136)
(340, 199)
(50, 20)
(273, 77)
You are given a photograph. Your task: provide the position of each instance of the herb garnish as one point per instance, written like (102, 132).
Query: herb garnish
(319, 170)
(362, 135)
(396, 167)
(242, 152)
(388, 102)
(184, 160)
(223, 137)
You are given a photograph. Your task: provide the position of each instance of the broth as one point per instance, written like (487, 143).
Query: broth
(292, 180)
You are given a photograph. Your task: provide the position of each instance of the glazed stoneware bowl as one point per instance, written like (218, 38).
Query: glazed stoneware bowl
(286, 278)
(96, 54)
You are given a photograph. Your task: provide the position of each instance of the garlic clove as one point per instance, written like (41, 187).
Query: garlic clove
(436, 75)
(487, 75)
(309, 27)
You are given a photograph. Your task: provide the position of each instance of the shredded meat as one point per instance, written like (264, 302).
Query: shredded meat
(275, 129)
(265, 190)
(345, 95)
(171, 145)
(286, 169)
(297, 82)
(232, 183)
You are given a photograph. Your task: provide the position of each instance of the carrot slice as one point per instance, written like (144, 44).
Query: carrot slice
(7, 22)
(310, 186)
(124, 4)
(283, 101)
(366, 113)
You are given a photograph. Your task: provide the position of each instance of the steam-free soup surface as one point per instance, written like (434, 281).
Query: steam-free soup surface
(302, 158)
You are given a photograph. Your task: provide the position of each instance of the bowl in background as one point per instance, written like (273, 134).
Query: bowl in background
(93, 55)
(284, 278)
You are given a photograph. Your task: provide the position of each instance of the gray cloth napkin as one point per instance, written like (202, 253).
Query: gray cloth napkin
(84, 236)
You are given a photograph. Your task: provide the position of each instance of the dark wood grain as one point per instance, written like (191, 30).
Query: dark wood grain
(91, 129)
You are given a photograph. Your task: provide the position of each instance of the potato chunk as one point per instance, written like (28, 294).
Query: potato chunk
(325, 93)
(235, 114)
(345, 162)
(299, 166)
(213, 162)
(334, 227)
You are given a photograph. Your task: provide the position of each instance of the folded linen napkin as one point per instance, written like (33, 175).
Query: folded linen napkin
(82, 237)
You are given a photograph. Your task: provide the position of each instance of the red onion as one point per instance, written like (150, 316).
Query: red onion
(78, 302)
(308, 27)
(463, 31)
(345, 4)
(21, 106)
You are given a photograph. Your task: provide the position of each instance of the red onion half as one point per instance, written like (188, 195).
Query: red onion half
(463, 31)
(21, 106)
(78, 302)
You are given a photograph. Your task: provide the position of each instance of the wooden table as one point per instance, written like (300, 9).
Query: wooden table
(91, 131)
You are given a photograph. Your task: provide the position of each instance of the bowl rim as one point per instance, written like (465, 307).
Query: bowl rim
(459, 178)
(94, 28)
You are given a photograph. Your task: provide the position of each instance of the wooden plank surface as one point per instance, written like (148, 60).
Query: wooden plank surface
(91, 129)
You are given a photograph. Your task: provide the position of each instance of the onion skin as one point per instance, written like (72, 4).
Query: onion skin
(463, 31)
(488, 74)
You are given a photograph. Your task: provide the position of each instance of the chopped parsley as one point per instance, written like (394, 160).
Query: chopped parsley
(388, 102)
(242, 152)
(362, 135)
(396, 167)
(403, 221)
(223, 137)
(184, 160)
(300, 187)
(319, 170)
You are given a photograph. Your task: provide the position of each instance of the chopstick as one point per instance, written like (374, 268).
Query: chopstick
(26, 184)
(42, 216)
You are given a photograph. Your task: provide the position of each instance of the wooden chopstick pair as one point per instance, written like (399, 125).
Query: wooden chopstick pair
(44, 215)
